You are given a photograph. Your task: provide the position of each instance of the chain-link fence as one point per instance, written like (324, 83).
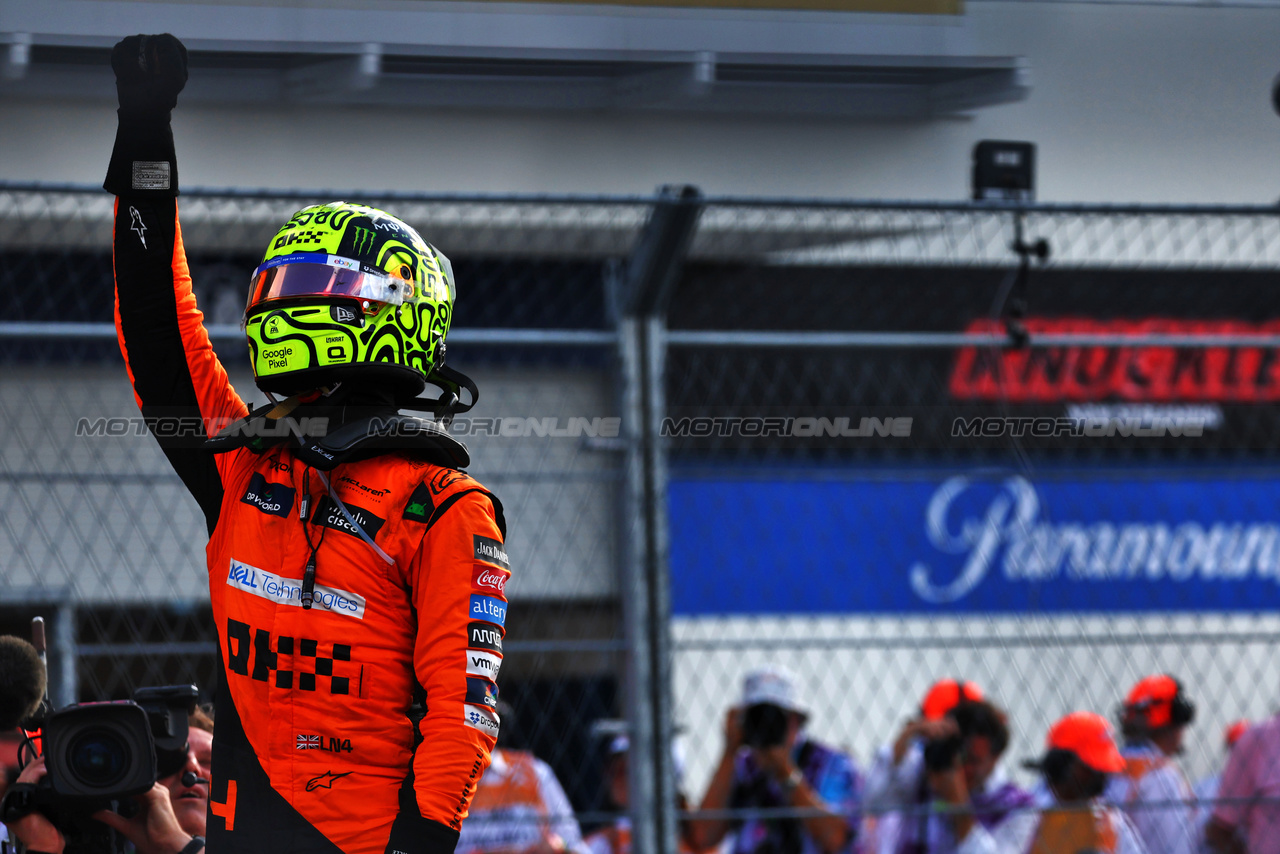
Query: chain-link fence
(901, 450)
(100, 536)
(874, 444)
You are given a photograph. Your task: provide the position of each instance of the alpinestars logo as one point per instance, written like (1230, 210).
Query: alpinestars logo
(325, 780)
(137, 225)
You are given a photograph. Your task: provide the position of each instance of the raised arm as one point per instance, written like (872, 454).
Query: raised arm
(179, 384)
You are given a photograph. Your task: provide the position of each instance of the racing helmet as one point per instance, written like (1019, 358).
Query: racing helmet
(347, 293)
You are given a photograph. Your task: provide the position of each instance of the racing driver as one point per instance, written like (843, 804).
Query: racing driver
(355, 572)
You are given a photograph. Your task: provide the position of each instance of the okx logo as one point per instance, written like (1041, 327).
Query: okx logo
(246, 646)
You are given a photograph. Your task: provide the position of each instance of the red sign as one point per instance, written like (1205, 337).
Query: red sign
(1137, 373)
(488, 579)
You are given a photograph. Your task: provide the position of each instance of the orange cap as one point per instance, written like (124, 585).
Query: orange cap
(1089, 737)
(1152, 698)
(1233, 733)
(945, 694)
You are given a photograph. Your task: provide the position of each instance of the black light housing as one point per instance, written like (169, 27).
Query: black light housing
(1004, 171)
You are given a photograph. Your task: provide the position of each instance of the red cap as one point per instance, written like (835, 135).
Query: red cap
(1089, 737)
(1233, 733)
(945, 695)
(1153, 699)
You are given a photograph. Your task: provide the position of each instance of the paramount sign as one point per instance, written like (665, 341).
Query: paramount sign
(919, 539)
(1011, 539)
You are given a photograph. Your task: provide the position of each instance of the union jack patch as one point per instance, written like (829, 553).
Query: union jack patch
(308, 742)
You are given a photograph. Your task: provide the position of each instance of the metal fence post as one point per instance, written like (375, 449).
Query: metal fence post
(64, 643)
(646, 284)
(635, 597)
(659, 585)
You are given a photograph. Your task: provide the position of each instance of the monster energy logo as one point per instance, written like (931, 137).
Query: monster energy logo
(363, 241)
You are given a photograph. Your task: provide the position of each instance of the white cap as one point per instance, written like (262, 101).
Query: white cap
(773, 685)
(622, 744)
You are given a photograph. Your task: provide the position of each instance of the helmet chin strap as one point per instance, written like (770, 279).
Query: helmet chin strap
(452, 383)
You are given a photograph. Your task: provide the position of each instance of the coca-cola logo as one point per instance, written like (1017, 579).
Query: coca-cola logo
(489, 579)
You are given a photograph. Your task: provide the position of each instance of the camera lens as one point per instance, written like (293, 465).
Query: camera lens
(764, 725)
(98, 757)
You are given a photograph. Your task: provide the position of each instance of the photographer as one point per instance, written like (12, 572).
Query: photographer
(172, 813)
(1080, 758)
(615, 838)
(1153, 790)
(154, 830)
(191, 802)
(948, 756)
(769, 763)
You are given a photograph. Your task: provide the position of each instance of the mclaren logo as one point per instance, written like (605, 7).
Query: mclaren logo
(136, 225)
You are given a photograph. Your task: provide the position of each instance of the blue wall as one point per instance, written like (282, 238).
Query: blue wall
(944, 541)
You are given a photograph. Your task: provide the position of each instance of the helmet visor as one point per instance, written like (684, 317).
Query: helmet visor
(320, 275)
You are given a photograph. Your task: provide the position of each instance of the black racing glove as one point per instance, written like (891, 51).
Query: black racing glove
(150, 72)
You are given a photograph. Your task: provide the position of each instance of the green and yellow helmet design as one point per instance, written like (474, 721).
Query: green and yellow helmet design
(347, 292)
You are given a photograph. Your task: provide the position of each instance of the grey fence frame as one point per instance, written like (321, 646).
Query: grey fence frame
(640, 286)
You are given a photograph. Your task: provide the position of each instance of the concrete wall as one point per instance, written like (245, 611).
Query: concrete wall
(1148, 103)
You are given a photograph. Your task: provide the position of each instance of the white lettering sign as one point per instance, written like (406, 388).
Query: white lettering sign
(1034, 550)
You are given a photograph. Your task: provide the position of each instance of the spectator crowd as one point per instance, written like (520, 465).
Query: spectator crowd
(940, 786)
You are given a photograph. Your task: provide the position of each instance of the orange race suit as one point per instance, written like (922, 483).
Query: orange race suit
(314, 747)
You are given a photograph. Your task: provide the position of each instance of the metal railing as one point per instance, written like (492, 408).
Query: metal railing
(720, 306)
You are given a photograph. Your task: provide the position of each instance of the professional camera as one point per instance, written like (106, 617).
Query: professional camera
(111, 751)
(99, 755)
(940, 753)
(764, 725)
